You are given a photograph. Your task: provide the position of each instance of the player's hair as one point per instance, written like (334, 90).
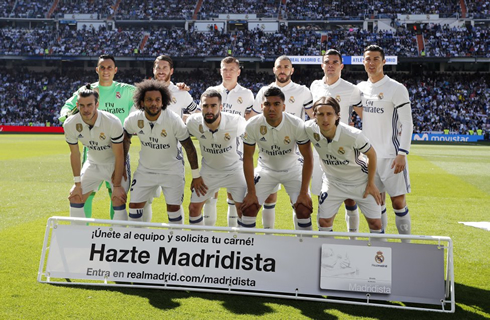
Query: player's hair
(274, 92)
(231, 60)
(328, 101)
(211, 93)
(164, 57)
(151, 85)
(106, 57)
(375, 48)
(283, 57)
(87, 91)
(332, 52)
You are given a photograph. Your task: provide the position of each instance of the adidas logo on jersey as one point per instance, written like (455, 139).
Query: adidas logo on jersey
(80, 136)
(141, 132)
(203, 137)
(262, 139)
(317, 145)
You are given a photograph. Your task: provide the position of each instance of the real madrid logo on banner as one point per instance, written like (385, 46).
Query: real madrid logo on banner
(316, 136)
(263, 130)
(240, 100)
(341, 150)
(227, 136)
(380, 96)
(379, 258)
(163, 133)
(287, 140)
(79, 127)
(174, 100)
(141, 124)
(201, 130)
(338, 98)
(102, 136)
(118, 95)
(292, 100)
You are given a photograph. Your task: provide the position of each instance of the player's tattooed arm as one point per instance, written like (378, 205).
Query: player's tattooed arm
(197, 183)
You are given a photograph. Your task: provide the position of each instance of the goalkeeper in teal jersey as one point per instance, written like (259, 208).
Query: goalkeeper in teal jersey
(114, 97)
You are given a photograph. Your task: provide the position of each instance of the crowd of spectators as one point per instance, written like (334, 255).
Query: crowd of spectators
(454, 101)
(98, 8)
(211, 9)
(156, 10)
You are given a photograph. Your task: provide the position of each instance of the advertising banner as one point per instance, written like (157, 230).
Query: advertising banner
(282, 264)
(446, 137)
(391, 60)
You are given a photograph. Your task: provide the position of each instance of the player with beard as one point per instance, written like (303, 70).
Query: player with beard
(220, 138)
(161, 162)
(299, 102)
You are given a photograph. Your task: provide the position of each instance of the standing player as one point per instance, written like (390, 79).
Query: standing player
(161, 163)
(298, 102)
(348, 96)
(236, 100)
(348, 173)
(219, 136)
(387, 122)
(278, 135)
(181, 101)
(102, 134)
(115, 97)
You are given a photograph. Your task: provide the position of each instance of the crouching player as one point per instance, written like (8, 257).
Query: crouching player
(343, 150)
(220, 137)
(102, 134)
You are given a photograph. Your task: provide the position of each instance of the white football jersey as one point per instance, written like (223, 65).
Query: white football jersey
(181, 101)
(386, 116)
(277, 145)
(342, 159)
(298, 99)
(346, 94)
(235, 101)
(221, 150)
(98, 139)
(160, 148)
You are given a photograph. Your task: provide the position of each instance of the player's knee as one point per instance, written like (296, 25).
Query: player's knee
(374, 224)
(173, 207)
(250, 211)
(398, 202)
(302, 211)
(116, 202)
(272, 198)
(349, 203)
(325, 222)
(195, 209)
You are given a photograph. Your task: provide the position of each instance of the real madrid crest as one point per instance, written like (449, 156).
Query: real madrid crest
(201, 130)
(379, 258)
(316, 136)
(174, 100)
(263, 130)
(227, 136)
(102, 136)
(287, 140)
(291, 99)
(341, 150)
(240, 100)
(118, 95)
(163, 133)
(141, 124)
(380, 96)
(338, 98)
(79, 127)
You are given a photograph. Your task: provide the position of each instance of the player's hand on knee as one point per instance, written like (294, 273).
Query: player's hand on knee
(250, 203)
(119, 194)
(76, 193)
(199, 187)
(305, 201)
(371, 189)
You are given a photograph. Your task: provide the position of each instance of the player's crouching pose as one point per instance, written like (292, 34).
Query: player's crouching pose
(349, 175)
(161, 162)
(102, 134)
(278, 135)
(219, 136)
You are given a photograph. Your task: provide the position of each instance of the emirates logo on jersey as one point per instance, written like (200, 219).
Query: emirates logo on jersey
(263, 130)
(291, 99)
(102, 136)
(316, 136)
(240, 100)
(79, 127)
(163, 133)
(118, 95)
(380, 96)
(227, 136)
(341, 150)
(174, 100)
(201, 130)
(287, 140)
(141, 124)
(338, 98)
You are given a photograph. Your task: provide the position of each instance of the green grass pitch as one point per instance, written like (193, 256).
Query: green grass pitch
(449, 184)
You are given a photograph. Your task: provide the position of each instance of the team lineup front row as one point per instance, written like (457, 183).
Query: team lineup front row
(348, 165)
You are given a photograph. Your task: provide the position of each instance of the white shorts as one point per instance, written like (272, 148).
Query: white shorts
(146, 186)
(92, 175)
(334, 194)
(233, 182)
(267, 182)
(317, 176)
(387, 181)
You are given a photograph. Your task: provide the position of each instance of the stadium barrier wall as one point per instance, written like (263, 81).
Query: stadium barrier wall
(30, 129)
(447, 137)
(305, 265)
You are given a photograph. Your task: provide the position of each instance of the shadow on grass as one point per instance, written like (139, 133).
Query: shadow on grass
(166, 299)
